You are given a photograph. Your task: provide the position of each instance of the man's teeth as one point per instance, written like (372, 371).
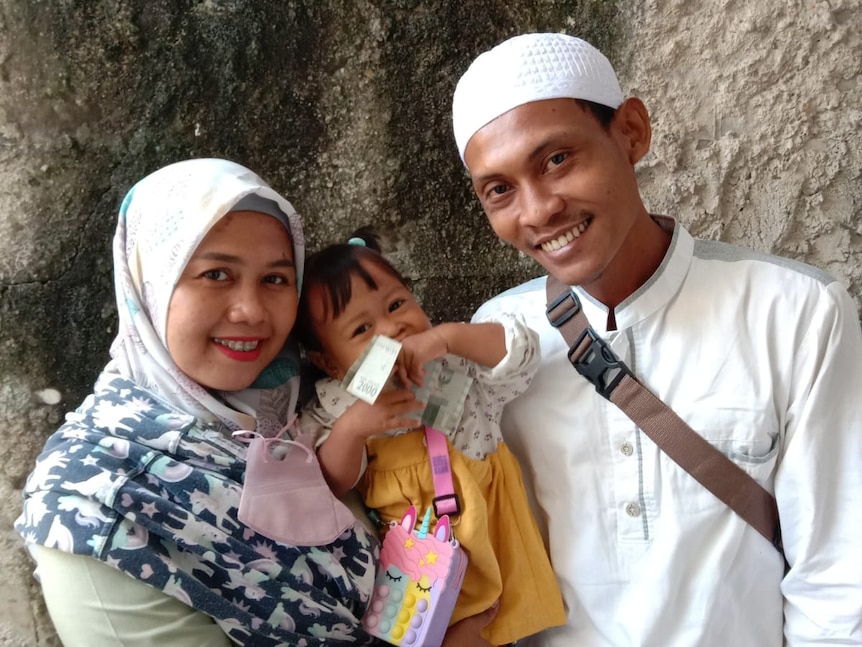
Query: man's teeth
(565, 239)
(244, 346)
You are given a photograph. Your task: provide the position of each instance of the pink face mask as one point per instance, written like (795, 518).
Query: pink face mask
(285, 496)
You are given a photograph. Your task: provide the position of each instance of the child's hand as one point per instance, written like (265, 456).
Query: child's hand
(416, 351)
(390, 411)
(467, 632)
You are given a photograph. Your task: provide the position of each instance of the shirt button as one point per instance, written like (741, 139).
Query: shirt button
(633, 510)
(627, 449)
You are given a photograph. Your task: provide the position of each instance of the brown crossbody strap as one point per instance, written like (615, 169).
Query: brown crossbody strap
(593, 358)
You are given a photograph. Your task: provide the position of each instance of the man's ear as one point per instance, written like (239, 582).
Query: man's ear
(633, 124)
(324, 362)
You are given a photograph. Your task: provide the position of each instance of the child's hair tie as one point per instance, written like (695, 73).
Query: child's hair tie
(356, 241)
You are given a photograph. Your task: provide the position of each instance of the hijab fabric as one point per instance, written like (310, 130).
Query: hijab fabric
(163, 219)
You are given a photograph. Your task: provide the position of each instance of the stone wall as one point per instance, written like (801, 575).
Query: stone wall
(344, 107)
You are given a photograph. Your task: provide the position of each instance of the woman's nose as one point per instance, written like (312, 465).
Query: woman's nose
(247, 306)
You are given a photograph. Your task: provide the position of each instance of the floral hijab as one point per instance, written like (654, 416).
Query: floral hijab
(163, 219)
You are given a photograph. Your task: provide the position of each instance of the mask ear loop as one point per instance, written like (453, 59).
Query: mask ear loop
(271, 445)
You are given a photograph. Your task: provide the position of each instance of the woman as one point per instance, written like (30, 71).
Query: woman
(144, 480)
(131, 512)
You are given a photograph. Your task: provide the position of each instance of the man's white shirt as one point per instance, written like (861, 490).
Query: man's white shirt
(763, 357)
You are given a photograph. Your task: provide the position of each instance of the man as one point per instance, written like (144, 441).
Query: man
(759, 355)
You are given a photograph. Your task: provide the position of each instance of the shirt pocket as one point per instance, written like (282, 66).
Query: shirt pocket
(748, 438)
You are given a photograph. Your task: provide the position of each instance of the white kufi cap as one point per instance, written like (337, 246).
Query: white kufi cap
(528, 68)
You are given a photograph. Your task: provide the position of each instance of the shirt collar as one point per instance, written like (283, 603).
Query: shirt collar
(656, 292)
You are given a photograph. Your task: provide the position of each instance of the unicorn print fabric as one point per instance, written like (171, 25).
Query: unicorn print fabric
(144, 475)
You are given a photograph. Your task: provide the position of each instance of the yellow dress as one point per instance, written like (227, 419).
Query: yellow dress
(507, 558)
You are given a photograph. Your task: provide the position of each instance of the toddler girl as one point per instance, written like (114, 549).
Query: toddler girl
(352, 293)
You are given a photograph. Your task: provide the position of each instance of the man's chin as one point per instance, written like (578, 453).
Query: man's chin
(560, 269)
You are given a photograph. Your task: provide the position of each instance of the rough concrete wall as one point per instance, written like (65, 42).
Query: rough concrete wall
(344, 107)
(757, 119)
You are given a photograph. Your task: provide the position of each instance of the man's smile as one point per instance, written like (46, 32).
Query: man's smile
(564, 239)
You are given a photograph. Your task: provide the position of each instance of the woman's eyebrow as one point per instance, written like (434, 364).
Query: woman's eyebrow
(218, 256)
(230, 258)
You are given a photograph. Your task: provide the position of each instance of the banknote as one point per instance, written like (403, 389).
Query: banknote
(369, 374)
(443, 390)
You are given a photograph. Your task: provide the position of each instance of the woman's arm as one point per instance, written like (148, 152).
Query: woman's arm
(94, 605)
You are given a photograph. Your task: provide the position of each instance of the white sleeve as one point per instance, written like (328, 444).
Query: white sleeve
(522, 350)
(818, 484)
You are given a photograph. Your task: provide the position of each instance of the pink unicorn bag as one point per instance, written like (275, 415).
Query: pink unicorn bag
(418, 581)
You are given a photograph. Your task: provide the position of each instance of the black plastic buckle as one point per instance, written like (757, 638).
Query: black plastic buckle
(568, 314)
(599, 364)
(446, 497)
